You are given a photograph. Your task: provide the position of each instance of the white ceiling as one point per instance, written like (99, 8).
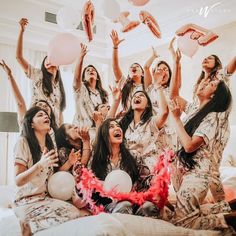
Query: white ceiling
(170, 15)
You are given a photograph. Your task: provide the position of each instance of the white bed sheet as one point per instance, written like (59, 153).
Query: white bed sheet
(103, 225)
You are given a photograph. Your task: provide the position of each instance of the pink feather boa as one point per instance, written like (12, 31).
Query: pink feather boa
(157, 192)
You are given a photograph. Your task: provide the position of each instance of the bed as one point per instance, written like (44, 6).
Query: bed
(103, 225)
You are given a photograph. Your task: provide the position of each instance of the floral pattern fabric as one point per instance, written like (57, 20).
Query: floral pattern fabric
(32, 201)
(85, 101)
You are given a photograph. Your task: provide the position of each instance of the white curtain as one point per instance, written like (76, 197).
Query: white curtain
(7, 103)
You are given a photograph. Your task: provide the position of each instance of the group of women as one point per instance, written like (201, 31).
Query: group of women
(129, 136)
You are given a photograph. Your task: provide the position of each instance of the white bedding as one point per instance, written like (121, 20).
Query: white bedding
(103, 225)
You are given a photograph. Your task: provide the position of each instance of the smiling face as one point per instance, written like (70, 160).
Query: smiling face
(115, 133)
(135, 71)
(139, 101)
(207, 88)
(41, 122)
(161, 74)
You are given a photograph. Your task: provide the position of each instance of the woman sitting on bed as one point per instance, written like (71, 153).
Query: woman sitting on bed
(35, 158)
(195, 165)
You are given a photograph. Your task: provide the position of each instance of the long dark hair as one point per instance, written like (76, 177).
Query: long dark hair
(129, 116)
(29, 134)
(219, 103)
(62, 139)
(101, 90)
(217, 66)
(170, 72)
(102, 153)
(127, 88)
(47, 84)
(52, 116)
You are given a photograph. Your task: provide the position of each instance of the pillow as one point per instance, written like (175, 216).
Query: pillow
(7, 195)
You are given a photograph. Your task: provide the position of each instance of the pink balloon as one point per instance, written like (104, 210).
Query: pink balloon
(187, 45)
(138, 2)
(63, 49)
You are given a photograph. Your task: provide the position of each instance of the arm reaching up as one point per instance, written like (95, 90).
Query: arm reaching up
(19, 48)
(115, 61)
(21, 107)
(78, 70)
(147, 73)
(175, 82)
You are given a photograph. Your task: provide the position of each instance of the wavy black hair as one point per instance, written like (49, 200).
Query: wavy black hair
(129, 116)
(127, 88)
(47, 84)
(102, 153)
(219, 103)
(217, 66)
(29, 134)
(101, 90)
(170, 72)
(52, 115)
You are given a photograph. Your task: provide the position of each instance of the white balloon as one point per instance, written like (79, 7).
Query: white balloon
(61, 185)
(111, 9)
(68, 18)
(118, 180)
(63, 49)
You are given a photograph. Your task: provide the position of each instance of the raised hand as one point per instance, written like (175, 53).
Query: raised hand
(115, 39)
(116, 91)
(23, 23)
(174, 108)
(84, 50)
(154, 53)
(5, 67)
(171, 48)
(48, 159)
(98, 117)
(74, 156)
(84, 134)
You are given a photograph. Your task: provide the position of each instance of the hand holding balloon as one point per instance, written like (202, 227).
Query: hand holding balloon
(118, 180)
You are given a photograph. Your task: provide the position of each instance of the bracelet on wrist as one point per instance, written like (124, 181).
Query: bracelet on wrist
(115, 47)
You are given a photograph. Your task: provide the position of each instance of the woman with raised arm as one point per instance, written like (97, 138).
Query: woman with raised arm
(47, 82)
(21, 107)
(35, 159)
(195, 164)
(88, 90)
(160, 76)
(135, 79)
(143, 132)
